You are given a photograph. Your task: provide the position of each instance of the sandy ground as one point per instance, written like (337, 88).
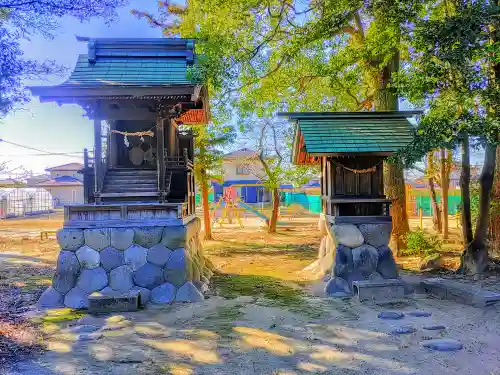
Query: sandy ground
(241, 328)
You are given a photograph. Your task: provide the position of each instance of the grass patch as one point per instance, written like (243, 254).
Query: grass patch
(58, 316)
(222, 320)
(278, 292)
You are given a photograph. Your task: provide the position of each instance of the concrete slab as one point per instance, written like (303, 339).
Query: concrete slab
(114, 302)
(379, 290)
(460, 292)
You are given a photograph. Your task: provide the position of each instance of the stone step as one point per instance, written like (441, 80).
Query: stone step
(379, 291)
(153, 186)
(129, 194)
(460, 292)
(131, 173)
(114, 302)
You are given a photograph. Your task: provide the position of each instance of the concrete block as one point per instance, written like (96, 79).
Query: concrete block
(114, 302)
(460, 292)
(378, 291)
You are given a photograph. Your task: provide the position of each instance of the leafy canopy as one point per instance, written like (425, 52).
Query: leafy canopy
(20, 19)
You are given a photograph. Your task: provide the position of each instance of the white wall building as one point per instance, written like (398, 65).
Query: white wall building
(65, 184)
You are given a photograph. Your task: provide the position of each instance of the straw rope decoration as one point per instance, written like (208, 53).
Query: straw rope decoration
(360, 171)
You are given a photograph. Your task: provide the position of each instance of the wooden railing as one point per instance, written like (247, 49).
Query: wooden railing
(179, 162)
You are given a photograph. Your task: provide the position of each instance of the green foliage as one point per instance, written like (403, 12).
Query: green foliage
(475, 199)
(421, 243)
(450, 74)
(209, 141)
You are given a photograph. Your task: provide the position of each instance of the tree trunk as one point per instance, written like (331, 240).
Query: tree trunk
(436, 211)
(465, 189)
(445, 185)
(274, 215)
(206, 206)
(475, 257)
(385, 99)
(495, 220)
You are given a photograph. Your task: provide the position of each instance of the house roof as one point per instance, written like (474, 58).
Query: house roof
(340, 133)
(113, 66)
(65, 167)
(60, 181)
(241, 154)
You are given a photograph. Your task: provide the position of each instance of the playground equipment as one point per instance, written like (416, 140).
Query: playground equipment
(229, 209)
(232, 205)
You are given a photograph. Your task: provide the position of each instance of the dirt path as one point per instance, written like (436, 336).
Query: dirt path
(248, 335)
(260, 319)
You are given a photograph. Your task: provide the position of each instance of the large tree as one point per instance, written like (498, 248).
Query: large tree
(20, 19)
(291, 55)
(209, 141)
(454, 71)
(273, 143)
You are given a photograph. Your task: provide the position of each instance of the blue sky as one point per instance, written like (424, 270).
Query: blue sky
(62, 129)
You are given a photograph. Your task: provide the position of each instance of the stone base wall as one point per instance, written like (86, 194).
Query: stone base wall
(361, 253)
(165, 263)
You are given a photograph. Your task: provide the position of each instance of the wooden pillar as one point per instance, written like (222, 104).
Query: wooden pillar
(171, 138)
(97, 156)
(160, 153)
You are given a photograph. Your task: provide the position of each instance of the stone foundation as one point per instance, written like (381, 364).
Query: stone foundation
(166, 264)
(361, 252)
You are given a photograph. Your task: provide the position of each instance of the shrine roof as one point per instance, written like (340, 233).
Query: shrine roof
(348, 133)
(114, 67)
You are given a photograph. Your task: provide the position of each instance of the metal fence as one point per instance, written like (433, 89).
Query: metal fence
(16, 202)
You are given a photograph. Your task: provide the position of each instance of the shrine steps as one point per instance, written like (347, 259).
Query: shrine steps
(132, 184)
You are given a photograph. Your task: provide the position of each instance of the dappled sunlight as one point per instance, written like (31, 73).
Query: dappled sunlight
(201, 333)
(151, 329)
(378, 362)
(178, 369)
(254, 338)
(328, 354)
(119, 332)
(101, 352)
(186, 349)
(311, 367)
(66, 368)
(58, 346)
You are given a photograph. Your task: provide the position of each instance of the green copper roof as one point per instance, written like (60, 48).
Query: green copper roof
(133, 71)
(352, 132)
(128, 68)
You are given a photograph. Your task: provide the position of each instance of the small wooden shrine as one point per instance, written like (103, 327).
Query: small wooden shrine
(135, 240)
(356, 224)
(350, 148)
(140, 93)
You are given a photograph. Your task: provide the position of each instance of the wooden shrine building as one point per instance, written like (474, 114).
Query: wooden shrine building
(350, 148)
(140, 94)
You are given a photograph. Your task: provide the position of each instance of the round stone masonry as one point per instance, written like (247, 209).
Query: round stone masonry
(92, 280)
(97, 239)
(149, 276)
(70, 239)
(76, 299)
(121, 279)
(51, 299)
(347, 234)
(175, 270)
(148, 237)
(159, 255)
(121, 238)
(376, 235)
(68, 268)
(365, 259)
(188, 293)
(88, 258)
(174, 237)
(163, 294)
(135, 257)
(112, 258)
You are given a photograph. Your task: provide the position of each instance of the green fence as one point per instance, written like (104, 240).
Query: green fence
(312, 203)
(198, 198)
(425, 203)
